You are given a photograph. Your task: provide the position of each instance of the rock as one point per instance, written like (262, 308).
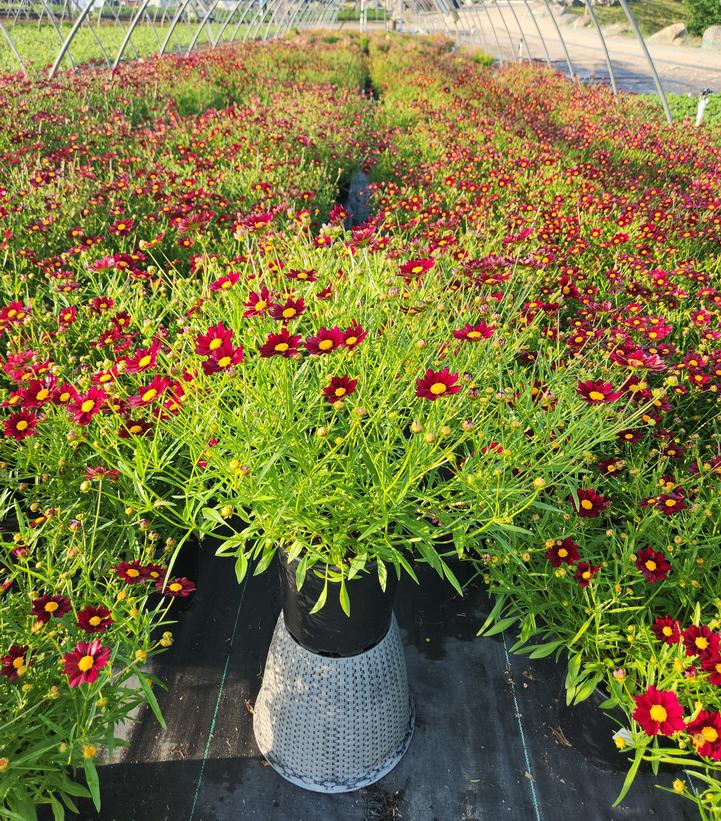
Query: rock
(615, 29)
(582, 22)
(712, 38)
(674, 35)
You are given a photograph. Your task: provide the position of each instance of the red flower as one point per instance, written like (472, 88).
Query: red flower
(705, 732)
(630, 436)
(64, 393)
(82, 665)
(94, 619)
(20, 425)
(15, 663)
(280, 344)
(68, 316)
(701, 641)
(38, 392)
(290, 309)
(712, 665)
(150, 392)
(563, 552)
(122, 227)
(612, 466)
(326, 341)
(153, 572)
(47, 606)
(670, 503)
(226, 282)
(597, 392)
(654, 566)
(339, 388)
(86, 405)
(590, 503)
(131, 572)
(216, 336)
(134, 427)
(142, 359)
(416, 268)
(585, 572)
(176, 588)
(224, 357)
(353, 336)
(474, 333)
(667, 630)
(436, 384)
(258, 303)
(658, 711)
(101, 472)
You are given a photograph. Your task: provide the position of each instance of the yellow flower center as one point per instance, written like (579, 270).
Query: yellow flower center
(289, 312)
(227, 284)
(667, 631)
(85, 663)
(42, 394)
(658, 713)
(340, 391)
(18, 662)
(87, 405)
(563, 553)
(215, 344)
(586, 574)
(175, 587)
(709, 734)
(224, 361)
(122, 226)
(149, 394)
(135, 428)
(21, 425)
(260, 305)
(597, 396)
(651, 565)
(94, 621)
(473, 334)
(51, 607)
(351, 340)
(144, 362)
(586, 504)
(417, 269)
(282, 347)
(132, 572)
(701, 642)
(670, 502)
(437, 388)
(326, 344)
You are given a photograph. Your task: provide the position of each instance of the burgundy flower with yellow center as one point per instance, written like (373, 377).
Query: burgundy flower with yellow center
(153, 572)
(590, 503)
(142, 359)
(612, 466)
(16, 662)
(20, 425)
(287, 311)
(701, 641)
(176, 588)
(258, 302)
(131, 572)
(86, 405)
(658, 712)
(82, 666)
(64, 394)
(223, 358)
(225, 283)
(94, 619)
(147, 394)
(585, 572)
(50, 606)
(325, 341)
(134, 427)
(670, 503)
(436, 384)
(215, 337)
(415, 268)
(280, 344)
(563, 551)
(474, 333)
(339, 388)
(654, 566)
(667, 630)
(353, 336)
(597, 392)
(712, 665)
(705, 732)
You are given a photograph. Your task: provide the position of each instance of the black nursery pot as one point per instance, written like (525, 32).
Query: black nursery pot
(329, 632)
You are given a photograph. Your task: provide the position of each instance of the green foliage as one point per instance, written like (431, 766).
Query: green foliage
(702, 14)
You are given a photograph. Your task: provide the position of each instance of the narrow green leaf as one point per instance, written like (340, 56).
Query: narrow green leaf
(150, 697)
(629, 776)
(91, 776)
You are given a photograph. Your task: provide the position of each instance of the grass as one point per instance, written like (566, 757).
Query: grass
(39, 45)
(651, 15)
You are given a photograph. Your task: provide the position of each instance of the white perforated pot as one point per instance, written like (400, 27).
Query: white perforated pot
(334, 713)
